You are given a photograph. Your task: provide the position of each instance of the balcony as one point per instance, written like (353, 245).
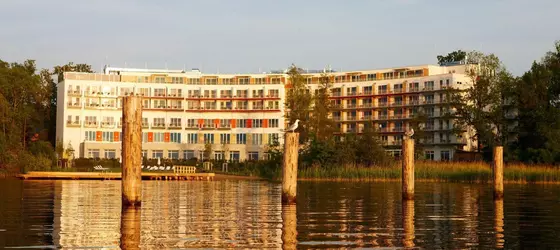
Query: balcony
(353, 93)
(158, 125)
(397, 104)
(74, 92)
(225, 126)
(192, 126)
(208, 126)
(396, 142)
(351, 118)
(107, 124)
(258, 107)
(428, 88)
(351, 106)
(366, 105)
(397, 91)
(397, 116)
(414, 89)
(336, 118)
(368, 92)
(174, 125)
(145, 124)
(176, 95)
(413, 102)
(90, 124)
(70, 123)
(428, 102)
(74, 105)
(398, 129)
(382, 104)
(93, 105)
(367, 117)
(382, 91)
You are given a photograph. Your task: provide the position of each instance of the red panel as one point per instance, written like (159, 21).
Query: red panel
(166, 137)
(265, 123)
(116, 136)
(249, 123)
(150, 136)
(98, 136)
(233, 123)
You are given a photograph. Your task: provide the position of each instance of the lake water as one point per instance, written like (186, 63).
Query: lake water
(248, 214)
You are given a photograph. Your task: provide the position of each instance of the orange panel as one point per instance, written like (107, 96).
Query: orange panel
(232, 121)
(425, 72)
(98, 136)
(166, 137)
(150, 136)
(265, 123)
(116, 136)
(249, 123)
(200, 122)
(216, 122)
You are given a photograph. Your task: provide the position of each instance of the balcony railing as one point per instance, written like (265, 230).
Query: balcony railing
(145, 125)
(351, 106)
(191, 126)
(382, 104)
(70, 123)
(351, 118)
(366, 105)
(107, 124)
(174, 125)
(158, 125)
(382, 117)
(414, 89)
(397, 103)
(74, 105)
(74, 92)
(90, 124)
(367, 117)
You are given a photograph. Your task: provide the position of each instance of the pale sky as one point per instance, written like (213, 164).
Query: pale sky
(236, 36)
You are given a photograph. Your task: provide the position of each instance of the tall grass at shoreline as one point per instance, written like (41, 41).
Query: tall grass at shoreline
(470, 172)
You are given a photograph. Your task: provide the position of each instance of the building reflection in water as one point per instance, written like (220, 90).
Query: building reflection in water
(408, 222)
(289, 227)
(499, 222)
(226, 214)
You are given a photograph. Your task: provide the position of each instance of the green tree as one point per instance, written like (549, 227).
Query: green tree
(455, 56)
(298, 102)
(321, 125)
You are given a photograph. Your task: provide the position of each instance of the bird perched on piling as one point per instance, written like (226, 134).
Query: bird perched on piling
(409, 133)
(294, 126)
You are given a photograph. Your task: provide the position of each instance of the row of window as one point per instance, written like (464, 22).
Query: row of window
(176, 154)
(191, 138)
(191, 123)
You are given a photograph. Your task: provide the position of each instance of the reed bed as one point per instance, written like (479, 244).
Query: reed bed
(470, 172)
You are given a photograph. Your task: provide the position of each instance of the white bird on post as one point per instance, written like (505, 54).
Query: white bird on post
(294, 126)
(409, 133)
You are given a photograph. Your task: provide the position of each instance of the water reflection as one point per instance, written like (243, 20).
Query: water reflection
(408, 222)
(130, 227)
(249, 214)
(499, 222)
(289, 227)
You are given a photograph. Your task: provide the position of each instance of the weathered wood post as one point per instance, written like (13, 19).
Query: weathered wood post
(132, 151)
(408, 169)
(408, 222)
(130, 227)
(498, 172)
(289, 226)
(289, 168)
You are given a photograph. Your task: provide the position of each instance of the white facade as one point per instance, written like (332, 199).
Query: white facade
(241, 114)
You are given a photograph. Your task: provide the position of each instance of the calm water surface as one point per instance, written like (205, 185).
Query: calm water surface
(248, 214)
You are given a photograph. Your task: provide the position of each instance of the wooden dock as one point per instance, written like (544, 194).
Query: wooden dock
(117, 176)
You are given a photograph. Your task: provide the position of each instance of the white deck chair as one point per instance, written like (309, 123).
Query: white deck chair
(168, 168)
(161, 168)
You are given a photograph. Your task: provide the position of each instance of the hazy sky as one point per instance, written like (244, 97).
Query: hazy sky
(236, 36)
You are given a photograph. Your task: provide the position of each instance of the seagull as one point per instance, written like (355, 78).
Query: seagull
(409, 132)
(294, 126)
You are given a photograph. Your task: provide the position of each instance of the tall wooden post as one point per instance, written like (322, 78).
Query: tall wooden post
(498, 172)
(408, 169)
(132, 151)
(289, 226)
(289, 169)
(130, 227)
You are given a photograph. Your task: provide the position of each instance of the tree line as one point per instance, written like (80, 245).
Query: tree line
(28, 115)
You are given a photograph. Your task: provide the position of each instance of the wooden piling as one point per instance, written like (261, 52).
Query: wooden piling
(408, 169)
(289, 169)
(498, 172)
(132, 151)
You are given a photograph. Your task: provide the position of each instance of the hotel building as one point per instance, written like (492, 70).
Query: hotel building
(239, 115)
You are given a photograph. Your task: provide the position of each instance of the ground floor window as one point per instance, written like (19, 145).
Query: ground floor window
(219, 155)
(234, 156)
(445, 155)
(157, 154)
(93, 153)
(253, 156)
(110, 154)
(188, 154)
(429, 155)
(144, 154)
(173, 154)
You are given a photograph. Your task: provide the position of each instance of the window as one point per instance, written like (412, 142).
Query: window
(253, 156)
(175, 122)
(158, 137)
(429, 155)
(110, 154)
(445, 155)
(241, 138)
(194, 80)
(244, 80)
(175, 137)
(159, 79)
(241, 123)
(159, 122)
(144, 137)
(91, 120)
(227, 81)
(256, 139)
(371, 77)
(157, 154)
(191, 123)
(211, 81)
(144, 122)
(234, 155)
(257, 123)
(272, 139)
(276, 80)
(224, 123)
(108, 136)
(225, 138)
(93, 153)
(188, 154)
(273, 123)
(260, 80)
(429, 85)
(219, 155)
(144, 154)
(90, 136)
(208, 138)
(192, 138)
(173, 154)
